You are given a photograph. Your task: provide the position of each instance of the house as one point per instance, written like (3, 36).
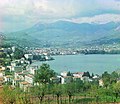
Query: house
(76, 78)
(28, 56)
(101, 83)
(15, 63)
(66, 79)
(8, 78)
(55, 79)
(15, 68)
(22, 60)
(21, 74)
(2, 71)
(18, 77)
(64, 73)
(78, 74)
(32, 69)
(86, 79)
(25, 85)
(29, 78)
(15, 82)
(13, 48)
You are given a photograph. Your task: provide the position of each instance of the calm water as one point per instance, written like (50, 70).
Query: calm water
(92, 63)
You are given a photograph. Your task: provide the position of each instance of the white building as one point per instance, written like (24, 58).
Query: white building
(78, 74)
(28, 56)
(55, 79)
(32, 69)
(8, 78)
(25, 85)
(66, 79)
(29, 78)
(64, 73)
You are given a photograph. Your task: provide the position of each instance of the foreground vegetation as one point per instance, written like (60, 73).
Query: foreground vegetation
(45, 91)
(77, 92)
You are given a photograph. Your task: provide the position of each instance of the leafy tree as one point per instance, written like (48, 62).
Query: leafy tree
(7, 71)
(116, 88)
(87, 86)
(58, 91)
(78, 85)
(69, 74)
(70, 90)
(86, 74)
(114, 77)
(43, 74)
(10, 95)
(106, 79)
(18, 53)
(2, 55)
(39, 91)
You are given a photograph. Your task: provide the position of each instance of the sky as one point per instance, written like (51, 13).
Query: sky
(17, 15)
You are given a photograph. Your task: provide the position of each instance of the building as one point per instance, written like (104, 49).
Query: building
(101, 83)
(8, 79)
(32, 69)
(64, 73)
(28, 56)
(25, 85)
(2, 71)
(78, 74)
(29, 78)
(55, 79)
(66, 79)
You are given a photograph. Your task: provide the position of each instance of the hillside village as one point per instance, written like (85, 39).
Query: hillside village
(20, 72)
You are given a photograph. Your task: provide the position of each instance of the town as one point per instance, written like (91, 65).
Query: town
(74, 51)
(17, 71)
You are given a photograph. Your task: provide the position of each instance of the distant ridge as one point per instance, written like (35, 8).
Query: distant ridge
(66, 34)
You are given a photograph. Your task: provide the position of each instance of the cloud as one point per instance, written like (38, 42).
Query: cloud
(100, 19)
(29, 12)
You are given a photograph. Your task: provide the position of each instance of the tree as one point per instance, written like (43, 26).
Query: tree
(39, 91)
(43, 74)
(69, 74)
(106, 79)
(114, 77)
(86, 74)
(18, 53)
(78, 85)
(116, 88)
(70, 90)
(57, 90)
(10, 95)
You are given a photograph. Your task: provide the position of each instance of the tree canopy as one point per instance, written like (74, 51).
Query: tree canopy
(43, 74)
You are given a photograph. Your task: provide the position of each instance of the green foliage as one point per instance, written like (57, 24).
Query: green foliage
(114, 77)
(39, 91)
(44, 73)
(106, 79)
(10, 95)
(58, 89)
(7, 72)
(2, 55)
(18, 53)
(86, 74)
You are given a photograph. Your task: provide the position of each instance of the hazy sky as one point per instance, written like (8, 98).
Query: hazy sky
(21, 14)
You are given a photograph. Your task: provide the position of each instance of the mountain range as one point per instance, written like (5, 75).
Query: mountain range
(66, 34)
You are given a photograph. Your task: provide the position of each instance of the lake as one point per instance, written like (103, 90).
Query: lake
(80, 63)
